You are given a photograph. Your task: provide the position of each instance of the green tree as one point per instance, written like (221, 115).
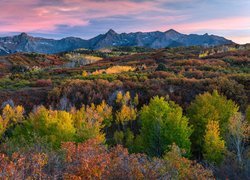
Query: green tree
(57, 126)
(129, 139)
(91, 120)
(136, 100)
(214, 146)
(162, 125)
(161, 67)
(118, 137)
(248, 114)
(209, 107)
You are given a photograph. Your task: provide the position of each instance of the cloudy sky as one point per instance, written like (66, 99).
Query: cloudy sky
(87, 18)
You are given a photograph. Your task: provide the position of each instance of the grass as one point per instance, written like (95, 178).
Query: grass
(8, 84)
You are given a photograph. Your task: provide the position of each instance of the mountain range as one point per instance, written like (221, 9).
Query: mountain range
(171, 38)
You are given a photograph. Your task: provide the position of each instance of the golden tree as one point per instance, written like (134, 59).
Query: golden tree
(214, 146)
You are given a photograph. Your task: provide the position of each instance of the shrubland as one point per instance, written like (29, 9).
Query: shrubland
(174, 113)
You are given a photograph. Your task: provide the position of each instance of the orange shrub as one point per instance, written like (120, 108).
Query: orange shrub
(91, 160)
(23, 166)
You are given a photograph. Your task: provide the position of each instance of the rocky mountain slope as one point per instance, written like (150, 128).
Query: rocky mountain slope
(157, 39)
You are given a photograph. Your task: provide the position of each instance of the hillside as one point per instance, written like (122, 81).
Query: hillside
(149, 112)
(180, 72)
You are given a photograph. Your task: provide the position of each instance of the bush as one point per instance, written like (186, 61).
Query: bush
(161, 67)
(43, 83)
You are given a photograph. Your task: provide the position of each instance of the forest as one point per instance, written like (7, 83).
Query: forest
(126, 113)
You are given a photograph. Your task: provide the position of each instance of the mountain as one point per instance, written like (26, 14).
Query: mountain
(157, 39)
(26, 43)
(3, 51)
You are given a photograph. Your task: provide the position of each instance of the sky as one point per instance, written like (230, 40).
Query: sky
(88, 18)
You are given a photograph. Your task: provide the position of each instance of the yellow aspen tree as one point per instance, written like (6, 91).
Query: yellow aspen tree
(136, 100)
(214, 146)
(2, 126)
(125, 114)
(126, 97)
(239, 131)
(119, 97)
(10, 116)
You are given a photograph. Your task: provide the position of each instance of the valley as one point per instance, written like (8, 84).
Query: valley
(124, 90)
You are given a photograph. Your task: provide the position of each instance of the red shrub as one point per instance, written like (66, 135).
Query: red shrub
(43, 83)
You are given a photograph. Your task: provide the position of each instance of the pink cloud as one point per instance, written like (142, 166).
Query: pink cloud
(44, 16)
(234, 23)
(240, 39)
(28, 16)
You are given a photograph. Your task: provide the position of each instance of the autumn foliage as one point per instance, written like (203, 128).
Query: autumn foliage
(122, 140)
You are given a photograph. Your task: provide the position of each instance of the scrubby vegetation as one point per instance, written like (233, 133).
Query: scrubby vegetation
(175, 113)
(114, 70)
